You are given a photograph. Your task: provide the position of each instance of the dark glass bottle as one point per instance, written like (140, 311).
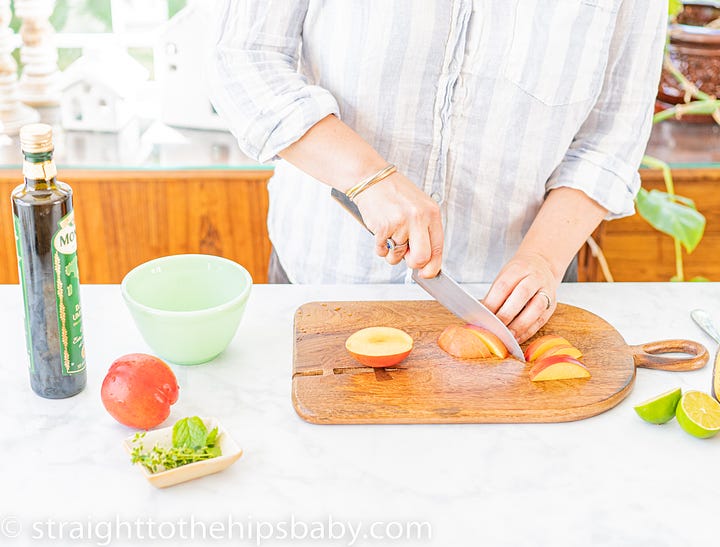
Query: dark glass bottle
(47, 264)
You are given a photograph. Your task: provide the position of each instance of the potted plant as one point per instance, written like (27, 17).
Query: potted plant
(693, 50)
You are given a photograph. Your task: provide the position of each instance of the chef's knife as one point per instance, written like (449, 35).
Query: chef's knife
(451, 295)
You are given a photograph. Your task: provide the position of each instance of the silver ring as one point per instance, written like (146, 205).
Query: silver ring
(547, 297)
(391, 245)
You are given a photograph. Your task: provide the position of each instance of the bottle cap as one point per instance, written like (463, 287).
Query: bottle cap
(36, 138)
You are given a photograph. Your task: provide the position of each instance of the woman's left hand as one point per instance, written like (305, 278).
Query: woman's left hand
(523, 295)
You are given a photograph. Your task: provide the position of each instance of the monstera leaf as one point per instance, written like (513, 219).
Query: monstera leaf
(673, 215)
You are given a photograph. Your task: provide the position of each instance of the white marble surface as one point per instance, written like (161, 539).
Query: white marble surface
(608, 480)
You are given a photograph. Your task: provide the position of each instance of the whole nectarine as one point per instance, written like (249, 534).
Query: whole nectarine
(138, 390)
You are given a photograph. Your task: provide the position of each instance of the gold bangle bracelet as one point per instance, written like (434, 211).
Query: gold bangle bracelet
(369, 181)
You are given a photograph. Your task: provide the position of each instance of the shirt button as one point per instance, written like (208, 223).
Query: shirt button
(436, 197)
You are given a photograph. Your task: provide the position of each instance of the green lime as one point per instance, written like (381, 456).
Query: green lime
(699, 414)
(660, 409)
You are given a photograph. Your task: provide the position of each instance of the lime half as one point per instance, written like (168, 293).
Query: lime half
(660, 409)
(699, 414)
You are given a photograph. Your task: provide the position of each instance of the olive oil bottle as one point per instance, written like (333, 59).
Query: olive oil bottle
(47, 264)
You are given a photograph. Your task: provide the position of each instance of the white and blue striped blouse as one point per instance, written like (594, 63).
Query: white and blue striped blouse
(485, 104)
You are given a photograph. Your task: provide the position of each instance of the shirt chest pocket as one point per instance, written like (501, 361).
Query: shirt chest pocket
(559, 48)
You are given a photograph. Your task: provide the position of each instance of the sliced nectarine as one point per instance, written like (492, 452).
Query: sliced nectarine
(542, 344)
(493, 343)
(463, 343)
(558, 367)
(379, 346)
(570, 351)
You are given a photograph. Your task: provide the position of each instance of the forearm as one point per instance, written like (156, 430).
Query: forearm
(334, 154)
(564, 222)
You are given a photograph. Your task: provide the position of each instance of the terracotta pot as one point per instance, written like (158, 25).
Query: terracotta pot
(695, 50)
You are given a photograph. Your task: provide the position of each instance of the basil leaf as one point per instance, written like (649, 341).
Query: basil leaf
(212, 437)
(189, 433)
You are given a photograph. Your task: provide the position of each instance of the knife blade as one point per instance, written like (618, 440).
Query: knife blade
(447, 292)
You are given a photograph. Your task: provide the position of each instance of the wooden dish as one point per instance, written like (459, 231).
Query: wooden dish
(231, 452)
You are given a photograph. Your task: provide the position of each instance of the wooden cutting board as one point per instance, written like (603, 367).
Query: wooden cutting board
(430, 386)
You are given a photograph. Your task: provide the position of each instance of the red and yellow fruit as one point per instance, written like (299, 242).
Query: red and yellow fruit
(462, 343)
(558, 367)
(493, 343)
(545, 343)
(379, 346)
(138, 390)
(471, 342)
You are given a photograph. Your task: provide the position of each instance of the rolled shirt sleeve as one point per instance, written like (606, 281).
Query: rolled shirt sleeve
(605, 154)
(254, 82)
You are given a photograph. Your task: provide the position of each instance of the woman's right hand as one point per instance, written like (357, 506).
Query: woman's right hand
(396, 208)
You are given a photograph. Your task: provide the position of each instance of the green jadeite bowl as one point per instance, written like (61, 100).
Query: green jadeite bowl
(187, 307)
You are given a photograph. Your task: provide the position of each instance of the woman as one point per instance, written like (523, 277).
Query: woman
(515, 127)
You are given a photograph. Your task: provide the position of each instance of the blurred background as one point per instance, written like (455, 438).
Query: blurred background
(156, 172)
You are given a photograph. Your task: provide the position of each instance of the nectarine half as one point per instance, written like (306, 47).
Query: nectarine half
(379, 346)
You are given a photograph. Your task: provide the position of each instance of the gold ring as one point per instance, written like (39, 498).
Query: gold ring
(391, 245)
(547, 297)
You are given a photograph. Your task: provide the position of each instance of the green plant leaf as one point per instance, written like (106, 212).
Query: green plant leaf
(685, 201)
(189, 433)
(700, 279)
(674, 7)
(59, 16)
(212, 437)
(672, 216)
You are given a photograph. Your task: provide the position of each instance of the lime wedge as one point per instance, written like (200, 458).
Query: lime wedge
(699, 414)
(660, 409)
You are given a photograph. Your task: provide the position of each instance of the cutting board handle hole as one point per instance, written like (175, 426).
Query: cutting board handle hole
(674, 355)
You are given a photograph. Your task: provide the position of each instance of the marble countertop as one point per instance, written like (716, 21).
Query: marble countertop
(607, 480)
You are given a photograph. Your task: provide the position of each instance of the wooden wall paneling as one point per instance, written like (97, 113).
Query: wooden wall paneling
(8, 257)
(125, 218)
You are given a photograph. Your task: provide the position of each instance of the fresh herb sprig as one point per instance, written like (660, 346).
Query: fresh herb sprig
(191, 442)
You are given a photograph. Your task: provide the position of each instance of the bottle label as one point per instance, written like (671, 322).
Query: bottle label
(21, 275)
(67, 287)
(42, 170)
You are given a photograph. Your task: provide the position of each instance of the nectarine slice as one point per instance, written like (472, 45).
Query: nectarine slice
(493, 343)
(558, 367)
(542, 344)
(570, 351)
(379, 346)
(463, 343)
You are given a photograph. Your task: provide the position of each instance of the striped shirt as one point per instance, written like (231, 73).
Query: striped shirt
(485, 104)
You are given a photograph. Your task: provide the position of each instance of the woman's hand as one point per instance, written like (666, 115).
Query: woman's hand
(523, 295)
(396, 208)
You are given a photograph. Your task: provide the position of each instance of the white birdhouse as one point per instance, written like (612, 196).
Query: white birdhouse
(180, 56)
(100, 90)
